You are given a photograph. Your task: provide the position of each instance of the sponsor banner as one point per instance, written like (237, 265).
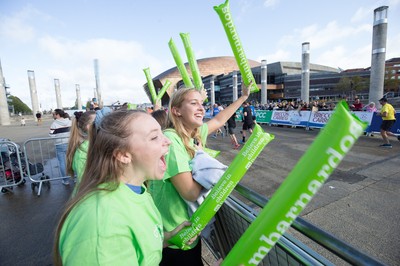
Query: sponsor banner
(263, 116)
(299, 118)
(291, 118)
(319, 119)
(365, 116)
(375, 125)
(239, 116)
(280, 117)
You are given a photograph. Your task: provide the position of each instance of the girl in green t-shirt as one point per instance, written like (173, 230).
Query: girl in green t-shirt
(187, 133)
(112, 220)
(78, 144)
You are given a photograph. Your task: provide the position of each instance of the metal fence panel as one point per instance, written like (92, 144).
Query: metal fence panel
(232, 220)
(11, 170)
(235, 216)
(42, 163)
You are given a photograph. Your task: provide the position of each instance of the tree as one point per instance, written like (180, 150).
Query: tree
(347, 85)
(19, 106)
(360, 84)
(391, 82)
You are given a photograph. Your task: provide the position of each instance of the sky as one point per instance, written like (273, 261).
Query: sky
(60, 40)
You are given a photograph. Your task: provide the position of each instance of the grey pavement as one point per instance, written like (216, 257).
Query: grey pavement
(359, 203)
(27, 221)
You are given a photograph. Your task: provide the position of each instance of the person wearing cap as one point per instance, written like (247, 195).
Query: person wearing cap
(388, 116)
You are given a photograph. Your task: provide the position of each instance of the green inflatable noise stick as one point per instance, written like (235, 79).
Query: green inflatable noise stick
(179, 64)
(163, 89)
(132, 106)
(194, 68)
(198, 83)
(226, 18)
(236, 170)
(313, 169)
(150, 85)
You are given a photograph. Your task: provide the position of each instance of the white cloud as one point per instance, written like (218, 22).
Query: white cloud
(71, 61)
(121, 65)
(271, 3)
(279, 55)
(339, 56)
(393, 47)
(332, 32)
(16, 28)
(393, 3)
(109, 50)
(361, 14)
(327, 43)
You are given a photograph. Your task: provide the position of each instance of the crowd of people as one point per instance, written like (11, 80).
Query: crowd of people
(317, 105)
(134, 180)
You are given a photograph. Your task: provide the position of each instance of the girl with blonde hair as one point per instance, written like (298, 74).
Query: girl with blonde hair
(187, 132)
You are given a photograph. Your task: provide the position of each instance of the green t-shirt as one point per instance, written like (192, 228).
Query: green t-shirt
(79, 163)
(173, 208)
(113, 228)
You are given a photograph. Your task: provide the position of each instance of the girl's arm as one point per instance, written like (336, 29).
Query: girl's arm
(220, 119)
(187, 187)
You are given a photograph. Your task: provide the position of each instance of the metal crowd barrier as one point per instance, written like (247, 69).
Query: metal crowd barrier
(11, 170)
(41, 157)
(235, 216)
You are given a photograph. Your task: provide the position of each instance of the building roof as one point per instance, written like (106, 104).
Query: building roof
(293, 68)
(207, 66)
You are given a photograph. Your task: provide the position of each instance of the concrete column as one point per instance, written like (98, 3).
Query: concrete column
(78, 96)
(97, 77)
(379, 36)
(34, 95)
(305, 72)
(58, 93)
(4, 114)
(234, 86)
(212, 91)
(264, 82)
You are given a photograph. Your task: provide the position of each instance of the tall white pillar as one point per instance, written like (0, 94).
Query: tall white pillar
(4, 114)
(379, 36)
(212, 91)
(78, 96)
(234, 86)
(264, 82)
(97, 77)
(33, 90)
(305, 72)
(58, 93)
